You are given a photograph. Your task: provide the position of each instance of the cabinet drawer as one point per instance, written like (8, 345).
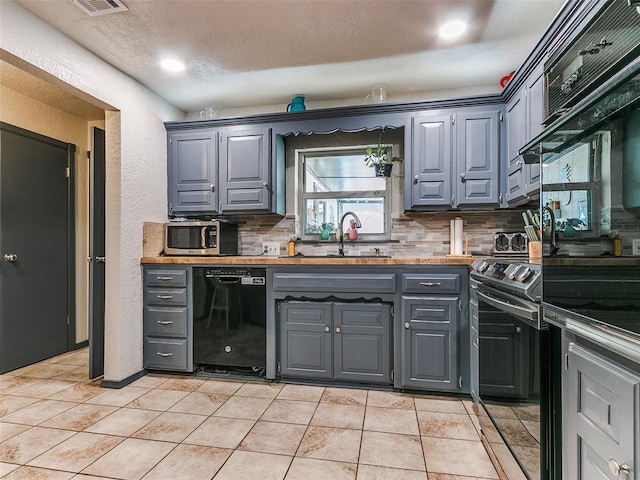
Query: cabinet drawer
(165, 277)
(166, 354)
(165, 321)
(433, 283)
(338, 282)
(166, 296)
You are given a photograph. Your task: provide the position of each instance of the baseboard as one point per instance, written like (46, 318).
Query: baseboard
(123, 383)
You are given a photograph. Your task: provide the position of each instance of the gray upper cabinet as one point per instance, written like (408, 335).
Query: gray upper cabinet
(455, 159)
(192, 171)
(478, 154)
(431, 160)
(245, 170)
(600, 417)
(524, 117)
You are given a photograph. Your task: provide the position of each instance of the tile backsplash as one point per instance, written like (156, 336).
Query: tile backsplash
(412, 234)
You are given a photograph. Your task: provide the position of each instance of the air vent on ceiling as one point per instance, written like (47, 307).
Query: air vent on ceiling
(100, 7)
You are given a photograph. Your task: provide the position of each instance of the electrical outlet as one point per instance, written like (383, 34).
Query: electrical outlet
(270, 248)
(636, 246)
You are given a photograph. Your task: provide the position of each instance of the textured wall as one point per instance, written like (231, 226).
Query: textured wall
(136, 167)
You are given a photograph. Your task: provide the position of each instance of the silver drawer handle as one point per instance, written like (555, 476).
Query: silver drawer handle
(164, 355)
(165, 297)
(431, 284)
(164, 322)
(165, 279)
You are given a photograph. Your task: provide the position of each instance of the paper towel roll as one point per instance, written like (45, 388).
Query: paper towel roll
(457, 236)
(452, 237)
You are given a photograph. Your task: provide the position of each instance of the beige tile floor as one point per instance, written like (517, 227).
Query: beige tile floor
(55, 425)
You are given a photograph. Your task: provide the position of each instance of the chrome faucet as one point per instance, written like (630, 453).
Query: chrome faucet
(341, 231)
(552, 219)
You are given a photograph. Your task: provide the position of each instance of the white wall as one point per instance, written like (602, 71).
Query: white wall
(136, 167)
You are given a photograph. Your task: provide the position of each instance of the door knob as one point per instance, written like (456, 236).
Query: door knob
(327, 329)
(100, 259)
(338, 330)
(10, 257)
(407, 325)
(616, 468)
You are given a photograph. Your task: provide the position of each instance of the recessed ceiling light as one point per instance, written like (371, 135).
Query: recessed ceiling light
(453, 29)
(172, 65)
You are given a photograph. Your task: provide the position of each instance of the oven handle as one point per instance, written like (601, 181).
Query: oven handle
(531, 316)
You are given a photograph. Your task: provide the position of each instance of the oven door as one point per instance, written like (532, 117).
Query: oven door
(510, 349)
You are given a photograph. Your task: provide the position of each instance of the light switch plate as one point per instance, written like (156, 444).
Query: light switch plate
(636, 246)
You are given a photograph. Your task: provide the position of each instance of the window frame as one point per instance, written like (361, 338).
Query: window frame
(301, 196)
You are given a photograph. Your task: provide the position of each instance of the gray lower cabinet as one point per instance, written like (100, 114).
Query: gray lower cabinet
(429, 331)
(345, 341)
(601, 417)
(168, 332)
(505, 355)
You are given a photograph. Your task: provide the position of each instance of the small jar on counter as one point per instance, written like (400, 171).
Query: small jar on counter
(616, 246)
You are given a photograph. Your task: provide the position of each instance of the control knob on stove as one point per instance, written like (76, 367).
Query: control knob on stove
(522, 274)
(511, 270)
(480, 265)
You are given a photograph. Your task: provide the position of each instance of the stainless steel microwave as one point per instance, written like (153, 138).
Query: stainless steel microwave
(206, 238)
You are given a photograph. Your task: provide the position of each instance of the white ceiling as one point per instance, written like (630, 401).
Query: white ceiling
(244, 53)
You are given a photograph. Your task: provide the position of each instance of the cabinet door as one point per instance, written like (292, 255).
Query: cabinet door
(362, 342)
(245, 172)
(306, 339)
(504, 356)
(430, 343)
(535, 114)
(478, 141)
(601, 404)
(516, 130)
(431, 160)
(192, 167)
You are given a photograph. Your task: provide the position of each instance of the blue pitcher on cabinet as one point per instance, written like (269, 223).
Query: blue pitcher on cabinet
(297, 104)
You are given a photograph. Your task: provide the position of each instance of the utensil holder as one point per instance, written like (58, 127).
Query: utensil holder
(535, 249)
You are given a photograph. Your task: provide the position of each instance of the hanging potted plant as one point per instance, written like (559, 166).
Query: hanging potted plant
(380, 158)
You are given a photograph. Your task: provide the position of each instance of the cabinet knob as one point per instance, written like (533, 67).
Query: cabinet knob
(10, 257)
(615, 468)
(407, 325)
(338, 330)
(327, 329)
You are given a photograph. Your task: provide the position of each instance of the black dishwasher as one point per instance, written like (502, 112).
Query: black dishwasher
(229, 320)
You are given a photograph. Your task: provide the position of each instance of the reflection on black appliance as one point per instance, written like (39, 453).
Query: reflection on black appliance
(229, 327)
(513, 344)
